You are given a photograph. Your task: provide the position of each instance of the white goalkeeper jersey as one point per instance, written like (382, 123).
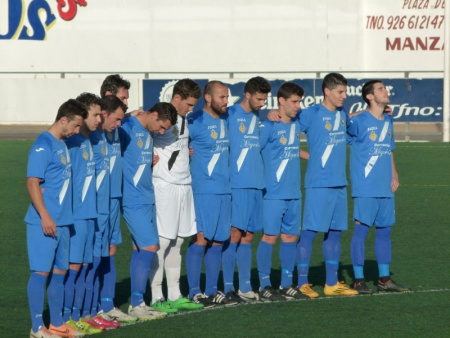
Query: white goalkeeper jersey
(173, 151)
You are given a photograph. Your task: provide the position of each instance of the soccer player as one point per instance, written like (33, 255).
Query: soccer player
(138, 201)
(84, 213)
(49, 219)
(374, 181)
(117, 86)
(247, 182)
(175, 214)
(280, 144)
(112, 114)
(325, 207)
(212, 193)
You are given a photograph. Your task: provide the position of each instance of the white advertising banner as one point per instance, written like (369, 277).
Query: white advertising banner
(220, 36)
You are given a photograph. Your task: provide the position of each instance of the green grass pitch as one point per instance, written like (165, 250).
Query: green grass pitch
(421, 253)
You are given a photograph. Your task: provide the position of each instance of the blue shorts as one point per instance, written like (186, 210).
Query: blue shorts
(115, 235)
(246, 209)
(374, 211)
(282, 216)
(325, 209)
(213, 214)
(141, 221)
(82, 241)
(101, 236)
(46, 253)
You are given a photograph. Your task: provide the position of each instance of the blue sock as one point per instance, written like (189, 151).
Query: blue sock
(383, 250)
(140, 275)
(194, 256)
(95, 286)
(304, 250)
(331, 249)
(80, 290)
(132, 265)
(69, 292)
(287, 259)
(36, 295)
(358, 249)
(212, 268)
(109, 284)
(244, 264)
(228, 265)
(89, 286)
(264, 263)
(55, 296)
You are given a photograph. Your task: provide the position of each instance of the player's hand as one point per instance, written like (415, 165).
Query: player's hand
(395, 184)
(191, 151)
(48, 226)
(274, 116)
(155, 160)
(137, 112)
(387, 110)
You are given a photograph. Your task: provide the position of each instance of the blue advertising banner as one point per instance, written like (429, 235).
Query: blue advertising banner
(412, 100)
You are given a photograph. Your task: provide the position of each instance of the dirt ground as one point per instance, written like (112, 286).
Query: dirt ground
(412, 131)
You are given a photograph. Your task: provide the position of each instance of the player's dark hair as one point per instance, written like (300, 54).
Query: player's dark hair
(70, 109)
(166, 111)
(257, 84)
(187, 88)
(333, 80)
(368, 89)
(209, 87)
(111, 103)
(112, 84)
(288, 89)
(89, 99)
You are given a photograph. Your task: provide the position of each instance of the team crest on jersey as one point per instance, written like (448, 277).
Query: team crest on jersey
(175, 131)
(63, 160)
(140, 143)
(373, 136)
(328, 126)
(109, 135)
(283, 139)
(85, 155)
(214, 134)
(103, 150)
(242, 128)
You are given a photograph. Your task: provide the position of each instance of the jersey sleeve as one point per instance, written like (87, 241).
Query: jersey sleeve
(39, 157)
(264, 133)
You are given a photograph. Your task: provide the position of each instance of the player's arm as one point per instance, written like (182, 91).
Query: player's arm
(34, 190)
(395, 182)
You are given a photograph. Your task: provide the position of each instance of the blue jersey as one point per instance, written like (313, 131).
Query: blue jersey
(209, 163)
(280, 143)
(49, 160)
(137, 152)
(326, 135)
(83, 177)
(115, 162)
(371, 158)
(102, 180)
(246, 166)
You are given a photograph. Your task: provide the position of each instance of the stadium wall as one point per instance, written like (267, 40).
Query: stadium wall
(50, 53)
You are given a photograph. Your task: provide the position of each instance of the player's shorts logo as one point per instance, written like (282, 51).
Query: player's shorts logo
(283, 139)
(85, 155)
(242, 128)
(373, 136)
(328, 126)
